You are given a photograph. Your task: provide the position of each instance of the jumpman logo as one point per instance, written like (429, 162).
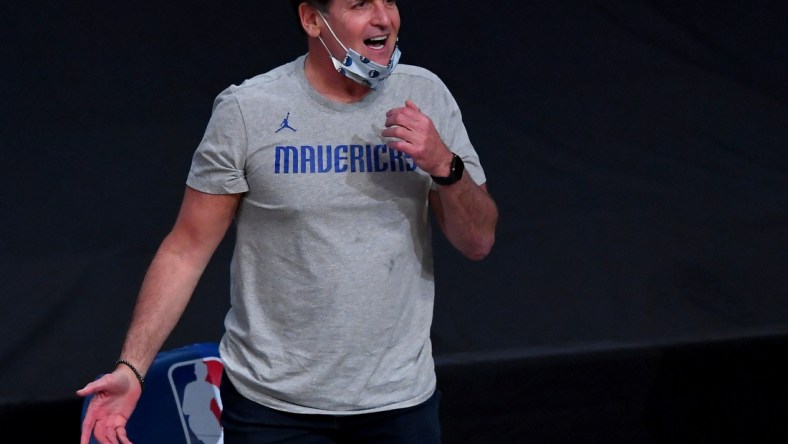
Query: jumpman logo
(285, 124)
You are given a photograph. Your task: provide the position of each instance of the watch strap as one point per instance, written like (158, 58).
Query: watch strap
(455, 172)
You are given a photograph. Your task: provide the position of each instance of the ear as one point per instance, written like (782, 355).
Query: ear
(310, 20)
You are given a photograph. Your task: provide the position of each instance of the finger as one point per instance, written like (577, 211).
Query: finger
(389, 121)
(95, 386)
(399, 145)
(397, 121)
(111, 435)
(89, 389)
(396, 132)
(122, 435)
(409, 103)
(394, 111)
(87, 429)
(99, 431)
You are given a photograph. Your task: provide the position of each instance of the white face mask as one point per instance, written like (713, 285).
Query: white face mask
(359, 68)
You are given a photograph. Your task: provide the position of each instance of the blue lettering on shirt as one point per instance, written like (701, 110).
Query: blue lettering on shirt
(321, 159)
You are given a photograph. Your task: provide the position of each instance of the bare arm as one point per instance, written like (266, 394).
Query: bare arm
(464, 211)
(467, 216)
(174, 272)
(166, 289)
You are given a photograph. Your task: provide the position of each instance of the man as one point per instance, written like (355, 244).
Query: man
(329, 166)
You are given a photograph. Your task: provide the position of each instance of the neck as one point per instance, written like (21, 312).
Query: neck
(320, 73)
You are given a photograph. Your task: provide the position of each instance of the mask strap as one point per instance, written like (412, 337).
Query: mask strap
(332, 33)
(325, 46)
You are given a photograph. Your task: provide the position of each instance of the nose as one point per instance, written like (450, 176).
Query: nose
(381, 14)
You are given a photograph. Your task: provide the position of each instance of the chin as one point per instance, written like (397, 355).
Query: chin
(381, 57)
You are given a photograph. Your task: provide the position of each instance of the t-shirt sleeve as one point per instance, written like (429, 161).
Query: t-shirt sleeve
(218, 163)
(455, 136)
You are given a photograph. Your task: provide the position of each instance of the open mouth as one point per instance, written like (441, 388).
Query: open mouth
(378, 42)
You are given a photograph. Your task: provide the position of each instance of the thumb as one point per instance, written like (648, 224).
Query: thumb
(92, 387)
(85, 391)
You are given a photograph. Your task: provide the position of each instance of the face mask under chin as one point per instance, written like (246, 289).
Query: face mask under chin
(359, 68)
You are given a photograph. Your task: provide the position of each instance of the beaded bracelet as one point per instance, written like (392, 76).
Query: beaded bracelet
(134, 369)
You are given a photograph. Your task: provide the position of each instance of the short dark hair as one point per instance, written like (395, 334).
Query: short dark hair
(320, 5)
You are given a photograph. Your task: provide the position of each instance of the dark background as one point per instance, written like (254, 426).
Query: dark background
(636, 150)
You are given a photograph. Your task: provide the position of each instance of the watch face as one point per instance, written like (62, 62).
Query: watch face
(455, 172)
(458, 167)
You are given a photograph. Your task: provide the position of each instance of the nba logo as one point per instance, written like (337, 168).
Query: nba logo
(195, 385)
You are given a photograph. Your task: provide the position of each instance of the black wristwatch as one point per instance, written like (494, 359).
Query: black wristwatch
(455, 172)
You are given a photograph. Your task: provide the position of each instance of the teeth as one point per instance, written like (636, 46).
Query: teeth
(376, 43)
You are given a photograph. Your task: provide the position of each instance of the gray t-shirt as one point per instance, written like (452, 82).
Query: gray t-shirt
(332, 278)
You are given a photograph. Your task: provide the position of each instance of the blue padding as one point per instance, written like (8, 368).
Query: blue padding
(177, 406)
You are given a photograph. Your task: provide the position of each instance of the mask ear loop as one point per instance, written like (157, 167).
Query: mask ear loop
(324, 46)
(332, 33)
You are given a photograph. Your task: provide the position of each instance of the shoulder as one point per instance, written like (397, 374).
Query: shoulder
(409, 73)
(263, 84)
(419, 82)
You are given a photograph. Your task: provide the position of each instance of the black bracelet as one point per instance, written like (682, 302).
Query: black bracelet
(134, 369)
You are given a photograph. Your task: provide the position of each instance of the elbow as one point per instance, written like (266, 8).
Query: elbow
(483, 240)
(481, 249)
